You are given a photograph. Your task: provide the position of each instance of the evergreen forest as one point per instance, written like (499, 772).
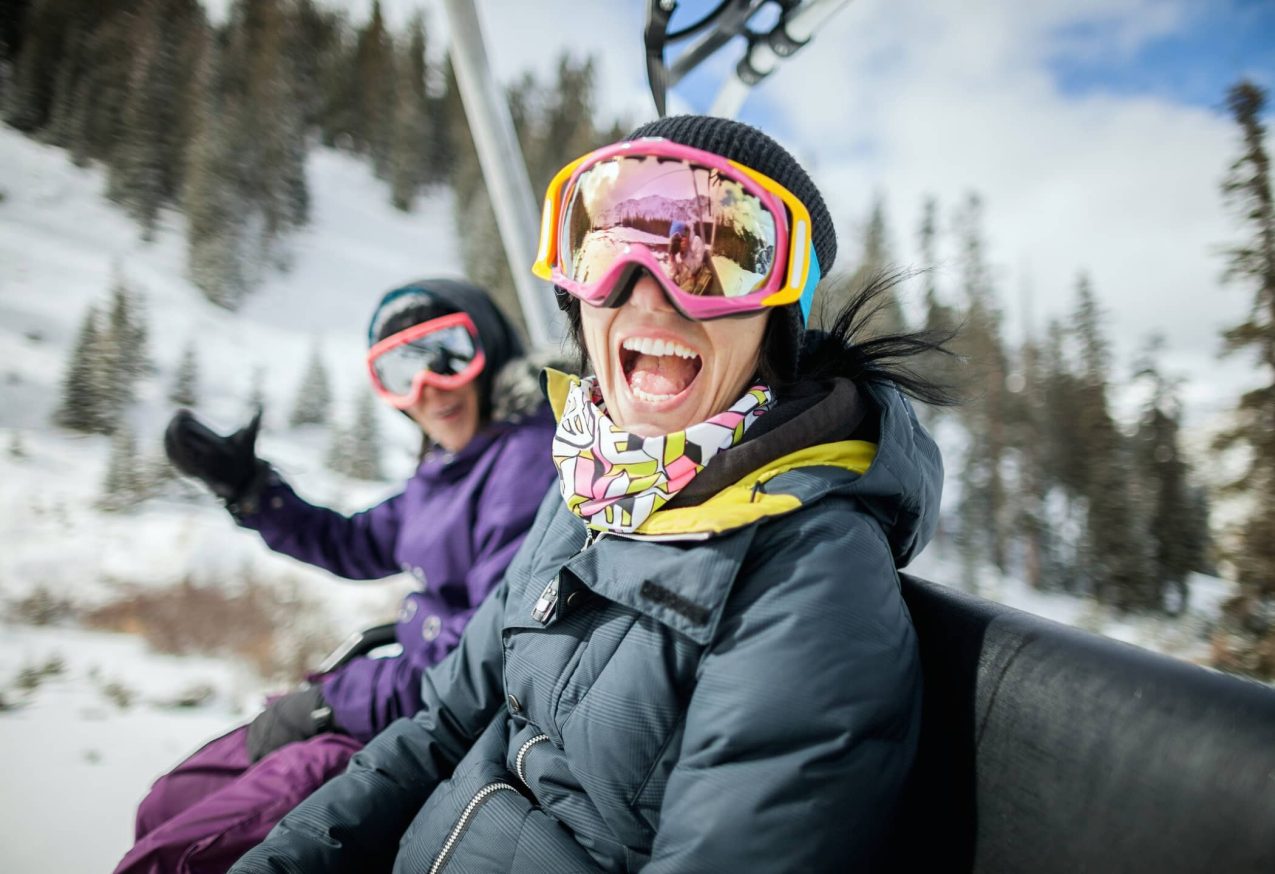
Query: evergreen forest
(1055, 482)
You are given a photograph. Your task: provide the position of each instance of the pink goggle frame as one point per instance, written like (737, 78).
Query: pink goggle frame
(791, 277)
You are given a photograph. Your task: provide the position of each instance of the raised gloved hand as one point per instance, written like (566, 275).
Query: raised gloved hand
(296, 716)
(227, 465)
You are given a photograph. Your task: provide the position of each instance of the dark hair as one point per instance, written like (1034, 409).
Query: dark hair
(846, 349)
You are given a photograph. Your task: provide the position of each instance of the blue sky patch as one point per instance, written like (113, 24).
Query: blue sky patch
(1214, 45)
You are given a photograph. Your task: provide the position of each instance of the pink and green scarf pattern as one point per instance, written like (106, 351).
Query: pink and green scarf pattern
(615, 480)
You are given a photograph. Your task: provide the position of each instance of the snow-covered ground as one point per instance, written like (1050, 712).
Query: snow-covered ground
(91, 719)
(72, 763)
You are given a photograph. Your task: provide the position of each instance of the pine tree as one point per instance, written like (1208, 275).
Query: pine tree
(215, 200)
(314, 396)
(355, 450)
(876, 260)
(940, 318)
(185, 390)
(364, 459)
(1248, 644)
(81, 404)
(410, 143)
(147, 162)
(1025, 427)
(374, 73)
(124, 486)
(1118, 549)
(1177, 522)
(983, 502)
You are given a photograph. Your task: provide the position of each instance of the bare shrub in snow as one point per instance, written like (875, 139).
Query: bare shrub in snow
(41, 607)
(270, 626)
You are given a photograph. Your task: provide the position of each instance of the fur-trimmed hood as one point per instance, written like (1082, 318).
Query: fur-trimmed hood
(515, 391)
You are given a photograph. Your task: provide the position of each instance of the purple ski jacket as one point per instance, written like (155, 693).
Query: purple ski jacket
(455, 528)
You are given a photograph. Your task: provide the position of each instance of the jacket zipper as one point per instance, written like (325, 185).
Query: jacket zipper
(479, 799)
(520, 759)
(548, 599)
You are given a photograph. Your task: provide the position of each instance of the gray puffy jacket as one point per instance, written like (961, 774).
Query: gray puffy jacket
(737, 691)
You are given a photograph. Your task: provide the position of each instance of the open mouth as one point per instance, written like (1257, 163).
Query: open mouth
(658, 371)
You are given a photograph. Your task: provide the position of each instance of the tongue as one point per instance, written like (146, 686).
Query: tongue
(662, 374)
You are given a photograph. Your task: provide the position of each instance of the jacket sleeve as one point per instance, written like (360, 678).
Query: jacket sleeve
(354, 822)
(511, 496)
(804, 722)
(357, 547)
(367, 694)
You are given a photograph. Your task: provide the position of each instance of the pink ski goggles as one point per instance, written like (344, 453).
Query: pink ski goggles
(720, 238)
(442, 352)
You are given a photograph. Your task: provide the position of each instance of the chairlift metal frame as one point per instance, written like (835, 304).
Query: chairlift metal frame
(795, 26)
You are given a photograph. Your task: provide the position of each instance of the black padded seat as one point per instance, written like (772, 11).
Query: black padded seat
(1048, 749)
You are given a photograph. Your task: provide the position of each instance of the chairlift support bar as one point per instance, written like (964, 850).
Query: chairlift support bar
(798, 21)
(504, 170)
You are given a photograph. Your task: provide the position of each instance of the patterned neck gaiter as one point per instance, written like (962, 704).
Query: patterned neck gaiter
(615, 480)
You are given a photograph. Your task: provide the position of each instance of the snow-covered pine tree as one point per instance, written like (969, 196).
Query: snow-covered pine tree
(185, 389)
(128, 331)
(336, 458)
(354, 450)
(1248, 644)
(365, 439)
(81, 406)
(124, 486)
(314, 396)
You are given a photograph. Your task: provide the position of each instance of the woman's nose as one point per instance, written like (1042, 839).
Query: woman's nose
(649, 295)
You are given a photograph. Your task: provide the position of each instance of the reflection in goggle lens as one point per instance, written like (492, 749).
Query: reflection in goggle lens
(445, 352)
(709, 234)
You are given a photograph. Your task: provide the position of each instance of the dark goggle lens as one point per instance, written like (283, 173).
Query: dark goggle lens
(709, 233)
(446, 352)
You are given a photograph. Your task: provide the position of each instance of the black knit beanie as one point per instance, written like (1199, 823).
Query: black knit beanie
(749, 146)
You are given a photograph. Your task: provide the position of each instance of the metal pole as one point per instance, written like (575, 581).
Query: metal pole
(504, 170)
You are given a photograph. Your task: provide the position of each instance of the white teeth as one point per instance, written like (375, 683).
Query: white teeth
(648, 396)
(651, 346)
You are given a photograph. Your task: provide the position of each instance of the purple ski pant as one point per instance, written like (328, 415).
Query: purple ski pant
(212, 808)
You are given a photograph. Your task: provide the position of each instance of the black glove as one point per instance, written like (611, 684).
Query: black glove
(227, 465)
(295, 716)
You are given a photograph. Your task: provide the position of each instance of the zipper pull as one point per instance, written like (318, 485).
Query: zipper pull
(547, 601)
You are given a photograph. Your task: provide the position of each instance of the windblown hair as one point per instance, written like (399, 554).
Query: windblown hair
(848, 349)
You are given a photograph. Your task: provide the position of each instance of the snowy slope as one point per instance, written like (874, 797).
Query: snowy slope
(70, 754)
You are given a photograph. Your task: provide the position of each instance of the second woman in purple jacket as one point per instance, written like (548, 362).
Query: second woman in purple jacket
(441, 352)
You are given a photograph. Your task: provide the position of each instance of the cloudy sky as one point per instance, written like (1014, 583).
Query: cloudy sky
(1094, 130)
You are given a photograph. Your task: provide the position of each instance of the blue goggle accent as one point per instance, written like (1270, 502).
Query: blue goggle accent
(813, 275)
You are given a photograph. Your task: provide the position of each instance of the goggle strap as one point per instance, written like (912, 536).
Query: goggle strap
(813, 275)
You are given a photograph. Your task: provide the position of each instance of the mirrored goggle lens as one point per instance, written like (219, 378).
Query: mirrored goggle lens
(446, 352)
(710, 234)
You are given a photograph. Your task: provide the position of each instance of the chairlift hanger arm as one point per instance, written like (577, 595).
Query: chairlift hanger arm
(797, 22)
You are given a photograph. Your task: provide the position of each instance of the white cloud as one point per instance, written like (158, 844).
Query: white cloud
(910, 98)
